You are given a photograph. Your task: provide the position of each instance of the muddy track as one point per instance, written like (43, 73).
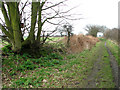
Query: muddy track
(91, 79)
(114, 66)
(97, 66)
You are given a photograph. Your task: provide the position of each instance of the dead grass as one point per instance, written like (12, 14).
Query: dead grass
(80, 42)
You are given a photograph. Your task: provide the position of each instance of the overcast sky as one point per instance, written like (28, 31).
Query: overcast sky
(100, 12)
(97, 12)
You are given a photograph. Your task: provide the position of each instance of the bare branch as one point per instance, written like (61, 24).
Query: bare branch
(54, 23)
(48, 36)
(49, 18)
(23, 7)
(52, 6)
(5, 31)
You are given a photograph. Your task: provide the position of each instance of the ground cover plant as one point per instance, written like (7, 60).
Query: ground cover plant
(16, 64)
(55, 70)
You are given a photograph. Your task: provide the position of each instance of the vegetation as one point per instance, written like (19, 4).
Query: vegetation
(115, 49)
(29, 62)
(94, 29)
(15, 25)
(104, 78)
(53, 70)
(16, 64)
(113, 34)
(54, 39)
(66, 30)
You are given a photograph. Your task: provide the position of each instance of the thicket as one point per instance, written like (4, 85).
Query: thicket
(113, 34)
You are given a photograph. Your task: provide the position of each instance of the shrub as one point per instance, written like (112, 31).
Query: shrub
(113, 34)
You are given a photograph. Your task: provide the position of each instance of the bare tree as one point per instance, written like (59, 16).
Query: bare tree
(112, 34)
(66, 30)
(15, 24)
(94, 29)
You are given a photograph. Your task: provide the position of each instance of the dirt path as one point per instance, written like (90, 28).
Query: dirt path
(97, 66)
(93, 78)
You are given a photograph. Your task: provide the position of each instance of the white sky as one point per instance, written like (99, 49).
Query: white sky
(100, 12)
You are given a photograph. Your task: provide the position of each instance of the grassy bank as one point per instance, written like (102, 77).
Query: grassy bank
(115, 50)
(54, 70)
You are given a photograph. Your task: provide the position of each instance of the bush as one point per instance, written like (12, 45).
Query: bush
(113, 34)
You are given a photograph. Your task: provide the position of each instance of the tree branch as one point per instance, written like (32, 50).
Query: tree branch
(23, 7)
(49, 18)
(53, 6)
(4, 12)
(5, 31)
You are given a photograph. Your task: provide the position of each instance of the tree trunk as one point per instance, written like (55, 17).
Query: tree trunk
(12, 27)
(15, 22)
(39, 24)
(13, 30)
(68, 41)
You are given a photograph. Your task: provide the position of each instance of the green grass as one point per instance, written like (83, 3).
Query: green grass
(104, 77)
(102, 39)
(115, 50)
(51, 71)
(16, 64)
(54, 38)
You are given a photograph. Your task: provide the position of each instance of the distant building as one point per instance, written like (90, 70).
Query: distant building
(99, 34)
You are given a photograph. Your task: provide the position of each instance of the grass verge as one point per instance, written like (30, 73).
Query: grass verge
(115, 50)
